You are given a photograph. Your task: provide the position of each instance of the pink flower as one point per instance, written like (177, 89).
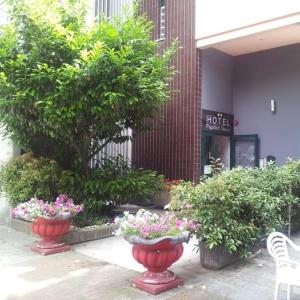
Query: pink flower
(37, 208)
(149, 225)
(193, 226)
(180, 223)
(155, 227)
(145, 231)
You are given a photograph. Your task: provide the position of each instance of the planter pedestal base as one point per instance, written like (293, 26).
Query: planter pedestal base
(156, 283)
(47, 248)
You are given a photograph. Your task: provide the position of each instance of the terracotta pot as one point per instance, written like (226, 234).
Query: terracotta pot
(51, 232)
(157, 256)
(161, 199)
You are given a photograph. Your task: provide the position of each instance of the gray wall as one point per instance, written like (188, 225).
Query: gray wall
(259, 77)
(217, 73)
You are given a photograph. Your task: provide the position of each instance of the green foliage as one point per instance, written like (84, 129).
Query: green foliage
(26, 176)
(63, 85)
(238, 207)
(111, 184)
(180, 196)
(216, 165)
(87, 219)
(67, 90)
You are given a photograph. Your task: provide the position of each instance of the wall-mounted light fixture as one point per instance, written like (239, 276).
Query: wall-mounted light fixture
(273, 106)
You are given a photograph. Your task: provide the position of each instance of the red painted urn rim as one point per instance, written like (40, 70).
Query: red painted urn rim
(175, 239)
(59, 219)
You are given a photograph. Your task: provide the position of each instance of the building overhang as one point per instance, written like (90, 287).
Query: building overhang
(256, 37)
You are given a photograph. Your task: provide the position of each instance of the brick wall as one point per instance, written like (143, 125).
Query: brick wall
(173, 146)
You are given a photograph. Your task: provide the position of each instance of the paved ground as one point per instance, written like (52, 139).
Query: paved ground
(102, 270)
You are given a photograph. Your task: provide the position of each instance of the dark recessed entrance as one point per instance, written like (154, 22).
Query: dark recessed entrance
(218, 141)
(216, 146)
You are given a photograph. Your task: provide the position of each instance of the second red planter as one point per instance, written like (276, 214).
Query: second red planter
(51, 231)
(157, 256)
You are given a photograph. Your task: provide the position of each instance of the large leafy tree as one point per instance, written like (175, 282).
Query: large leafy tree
(66, 90)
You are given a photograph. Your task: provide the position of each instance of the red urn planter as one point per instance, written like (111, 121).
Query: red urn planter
(51, 231)
(157, 256)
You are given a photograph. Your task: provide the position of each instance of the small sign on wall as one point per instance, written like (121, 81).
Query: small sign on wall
(218, 122)
(207, 169)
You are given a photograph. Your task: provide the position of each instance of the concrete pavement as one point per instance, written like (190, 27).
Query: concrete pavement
(102, 270)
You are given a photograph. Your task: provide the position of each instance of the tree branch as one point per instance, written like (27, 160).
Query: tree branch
(99, 148)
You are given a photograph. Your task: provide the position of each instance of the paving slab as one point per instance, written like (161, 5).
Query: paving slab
(103, 269)
(116, 250)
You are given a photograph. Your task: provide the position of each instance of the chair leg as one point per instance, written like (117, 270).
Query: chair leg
(276, 290)
(289, 292)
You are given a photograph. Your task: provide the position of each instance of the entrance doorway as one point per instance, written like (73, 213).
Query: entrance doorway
(215, 146)
(232, 150)
(218, 141)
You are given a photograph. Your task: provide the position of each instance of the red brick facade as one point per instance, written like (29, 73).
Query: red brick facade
(173, 146)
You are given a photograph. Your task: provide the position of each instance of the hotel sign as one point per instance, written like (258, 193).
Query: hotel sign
(218, 122)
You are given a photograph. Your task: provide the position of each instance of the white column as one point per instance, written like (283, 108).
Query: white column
(6, 147)
(7, 151)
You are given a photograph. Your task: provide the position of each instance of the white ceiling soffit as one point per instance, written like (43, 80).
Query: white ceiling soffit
(262, 36)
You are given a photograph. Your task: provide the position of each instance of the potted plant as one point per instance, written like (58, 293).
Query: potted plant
(49, 220)
(163, 197)
(237, 209)
(157, 244)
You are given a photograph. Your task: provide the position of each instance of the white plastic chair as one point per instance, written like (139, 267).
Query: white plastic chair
(287, 270)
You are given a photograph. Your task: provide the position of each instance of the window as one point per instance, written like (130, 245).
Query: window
(162, 19)
(102, 8)
(109, 8)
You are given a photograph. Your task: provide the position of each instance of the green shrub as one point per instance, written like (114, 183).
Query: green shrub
(238, 207)
(111, 184)
(180, 196)
(87, 219)
(26, 176)
(67, 89)
(291, 173)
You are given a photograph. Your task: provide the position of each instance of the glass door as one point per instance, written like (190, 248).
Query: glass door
(245, 150)
(216, 146)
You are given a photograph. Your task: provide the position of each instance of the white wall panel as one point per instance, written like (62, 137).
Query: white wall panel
(110, 8)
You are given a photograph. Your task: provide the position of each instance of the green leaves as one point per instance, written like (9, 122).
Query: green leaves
(26, 176)
(111, 184)
(73, 85)
(238, 207)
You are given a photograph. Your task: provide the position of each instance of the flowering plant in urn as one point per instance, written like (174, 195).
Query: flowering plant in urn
(62, 208)
(157, 244)
(50, 220)
(150, 226)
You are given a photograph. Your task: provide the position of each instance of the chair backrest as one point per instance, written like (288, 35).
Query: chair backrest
(277, 246)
